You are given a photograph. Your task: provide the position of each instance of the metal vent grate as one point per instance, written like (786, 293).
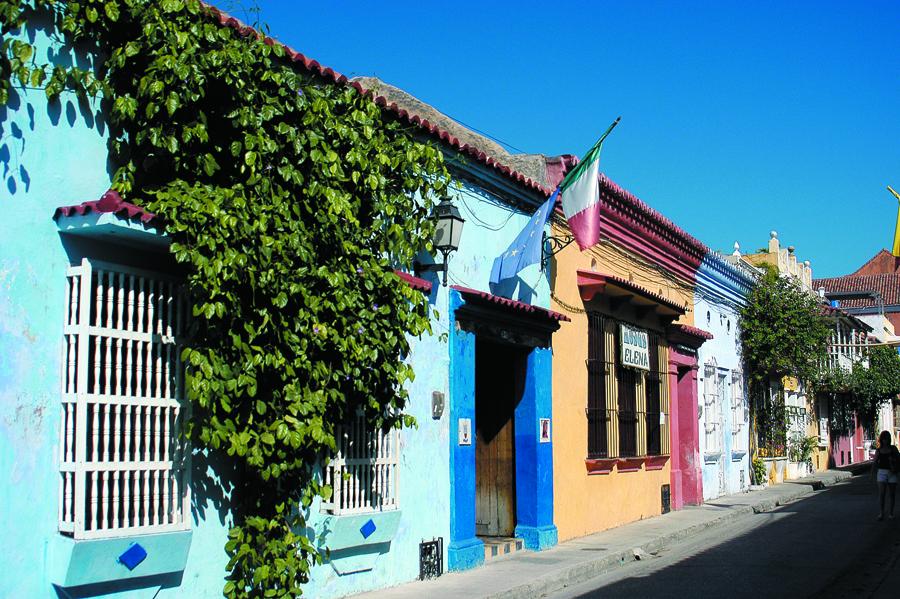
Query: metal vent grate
(666, 498)
(431, 558)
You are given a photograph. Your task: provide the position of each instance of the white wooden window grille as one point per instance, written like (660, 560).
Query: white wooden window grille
(363, 472)
(123, 466)
(738, 411)
(713, 390)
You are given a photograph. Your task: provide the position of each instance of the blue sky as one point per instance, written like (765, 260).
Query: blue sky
(737, 117)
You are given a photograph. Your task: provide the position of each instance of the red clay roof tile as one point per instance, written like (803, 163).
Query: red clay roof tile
(111, 203)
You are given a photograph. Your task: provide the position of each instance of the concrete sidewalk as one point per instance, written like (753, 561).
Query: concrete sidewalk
(533, 574)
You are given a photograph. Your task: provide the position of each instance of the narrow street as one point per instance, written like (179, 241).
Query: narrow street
(828, 544)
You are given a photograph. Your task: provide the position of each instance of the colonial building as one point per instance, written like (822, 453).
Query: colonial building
(789, 395)
(720, 292)
(625, 369)
(92, 399)
(872, 294)
(846, 435)
(474, 479)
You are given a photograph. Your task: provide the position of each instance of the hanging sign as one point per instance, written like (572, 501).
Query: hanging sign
(633, 344)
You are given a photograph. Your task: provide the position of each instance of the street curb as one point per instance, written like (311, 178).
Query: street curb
(584, 571)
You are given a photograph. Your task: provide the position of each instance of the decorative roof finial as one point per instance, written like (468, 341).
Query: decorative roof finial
(790, 249)
(773, 234)
(737, 249)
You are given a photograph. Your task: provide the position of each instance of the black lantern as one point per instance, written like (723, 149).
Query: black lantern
(447, 233)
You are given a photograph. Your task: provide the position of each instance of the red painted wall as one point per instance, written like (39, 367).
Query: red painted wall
(686, 475)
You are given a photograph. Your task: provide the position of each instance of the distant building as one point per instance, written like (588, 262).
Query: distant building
(775, 443)
(872, 294)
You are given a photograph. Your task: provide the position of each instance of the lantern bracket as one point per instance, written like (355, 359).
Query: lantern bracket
(553, 245)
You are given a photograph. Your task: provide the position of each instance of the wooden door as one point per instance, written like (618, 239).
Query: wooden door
(495, 497)
(496, 390)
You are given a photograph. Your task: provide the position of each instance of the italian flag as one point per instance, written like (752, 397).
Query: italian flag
(580, 192)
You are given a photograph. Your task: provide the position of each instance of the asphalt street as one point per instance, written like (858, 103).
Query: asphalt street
(828, 544)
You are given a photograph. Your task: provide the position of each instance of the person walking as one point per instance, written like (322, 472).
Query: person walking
(885, 467)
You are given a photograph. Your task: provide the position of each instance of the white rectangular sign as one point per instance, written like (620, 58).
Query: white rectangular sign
(633, 347)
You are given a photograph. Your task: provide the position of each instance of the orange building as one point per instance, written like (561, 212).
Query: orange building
(624, 369)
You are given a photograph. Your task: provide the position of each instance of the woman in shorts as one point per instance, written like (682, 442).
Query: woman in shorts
(884, 469)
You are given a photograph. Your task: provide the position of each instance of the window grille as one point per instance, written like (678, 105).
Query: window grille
(597, 414)
(123, 466)
(363, 471)
(626, 382)
(713, 387)
(654, 384)
(738, 411)
(627, 409)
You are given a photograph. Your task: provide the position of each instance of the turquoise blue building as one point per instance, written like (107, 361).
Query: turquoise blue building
(721, 290)
(474, 478)
(99, 496)
(89, 397)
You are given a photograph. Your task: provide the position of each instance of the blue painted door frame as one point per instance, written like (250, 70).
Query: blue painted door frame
(534, 460)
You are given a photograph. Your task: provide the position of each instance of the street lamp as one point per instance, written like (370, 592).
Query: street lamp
(447, 232)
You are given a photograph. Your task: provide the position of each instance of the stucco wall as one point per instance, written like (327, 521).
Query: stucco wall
(720, 292)
(54, 154)
(725, 348)
(586, 503)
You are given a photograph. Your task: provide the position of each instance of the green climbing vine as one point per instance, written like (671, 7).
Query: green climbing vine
(290, 200)
(863, 389)
(782, 335)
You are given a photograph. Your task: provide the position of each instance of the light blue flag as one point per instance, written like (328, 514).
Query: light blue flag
(525, 249)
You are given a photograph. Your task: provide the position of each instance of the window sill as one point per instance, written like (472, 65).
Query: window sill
(737, 456)
(349, 550)
(630, 464)
(95, 561)
(712, 457)
(656, 462)
(600, 465)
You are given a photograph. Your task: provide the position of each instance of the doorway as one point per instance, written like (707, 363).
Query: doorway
(499, 384)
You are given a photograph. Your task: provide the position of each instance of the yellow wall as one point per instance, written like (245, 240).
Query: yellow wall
(586, 503)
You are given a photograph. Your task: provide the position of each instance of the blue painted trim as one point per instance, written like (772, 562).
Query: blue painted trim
(96, 561)
(463, 555)
(534, 460)
(538, 538)
(465, 549)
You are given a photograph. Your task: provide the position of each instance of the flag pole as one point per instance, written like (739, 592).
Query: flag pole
(895, 250)
(590, 152)
(608, 131)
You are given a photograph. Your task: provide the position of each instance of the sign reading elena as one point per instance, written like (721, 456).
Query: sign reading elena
(633, 347)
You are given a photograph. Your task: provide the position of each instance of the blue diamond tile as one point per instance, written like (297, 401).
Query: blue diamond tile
(133, 556)
(367, 529)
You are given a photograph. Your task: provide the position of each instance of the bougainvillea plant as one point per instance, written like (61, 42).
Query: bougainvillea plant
(290, 199)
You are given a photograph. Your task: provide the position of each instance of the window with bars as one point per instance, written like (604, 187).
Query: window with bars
(123, 465)
(713, 389)
(738, 411)
(626, 384)
(654, 409)
(363, 471)
(597, 412)
(626, 408)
